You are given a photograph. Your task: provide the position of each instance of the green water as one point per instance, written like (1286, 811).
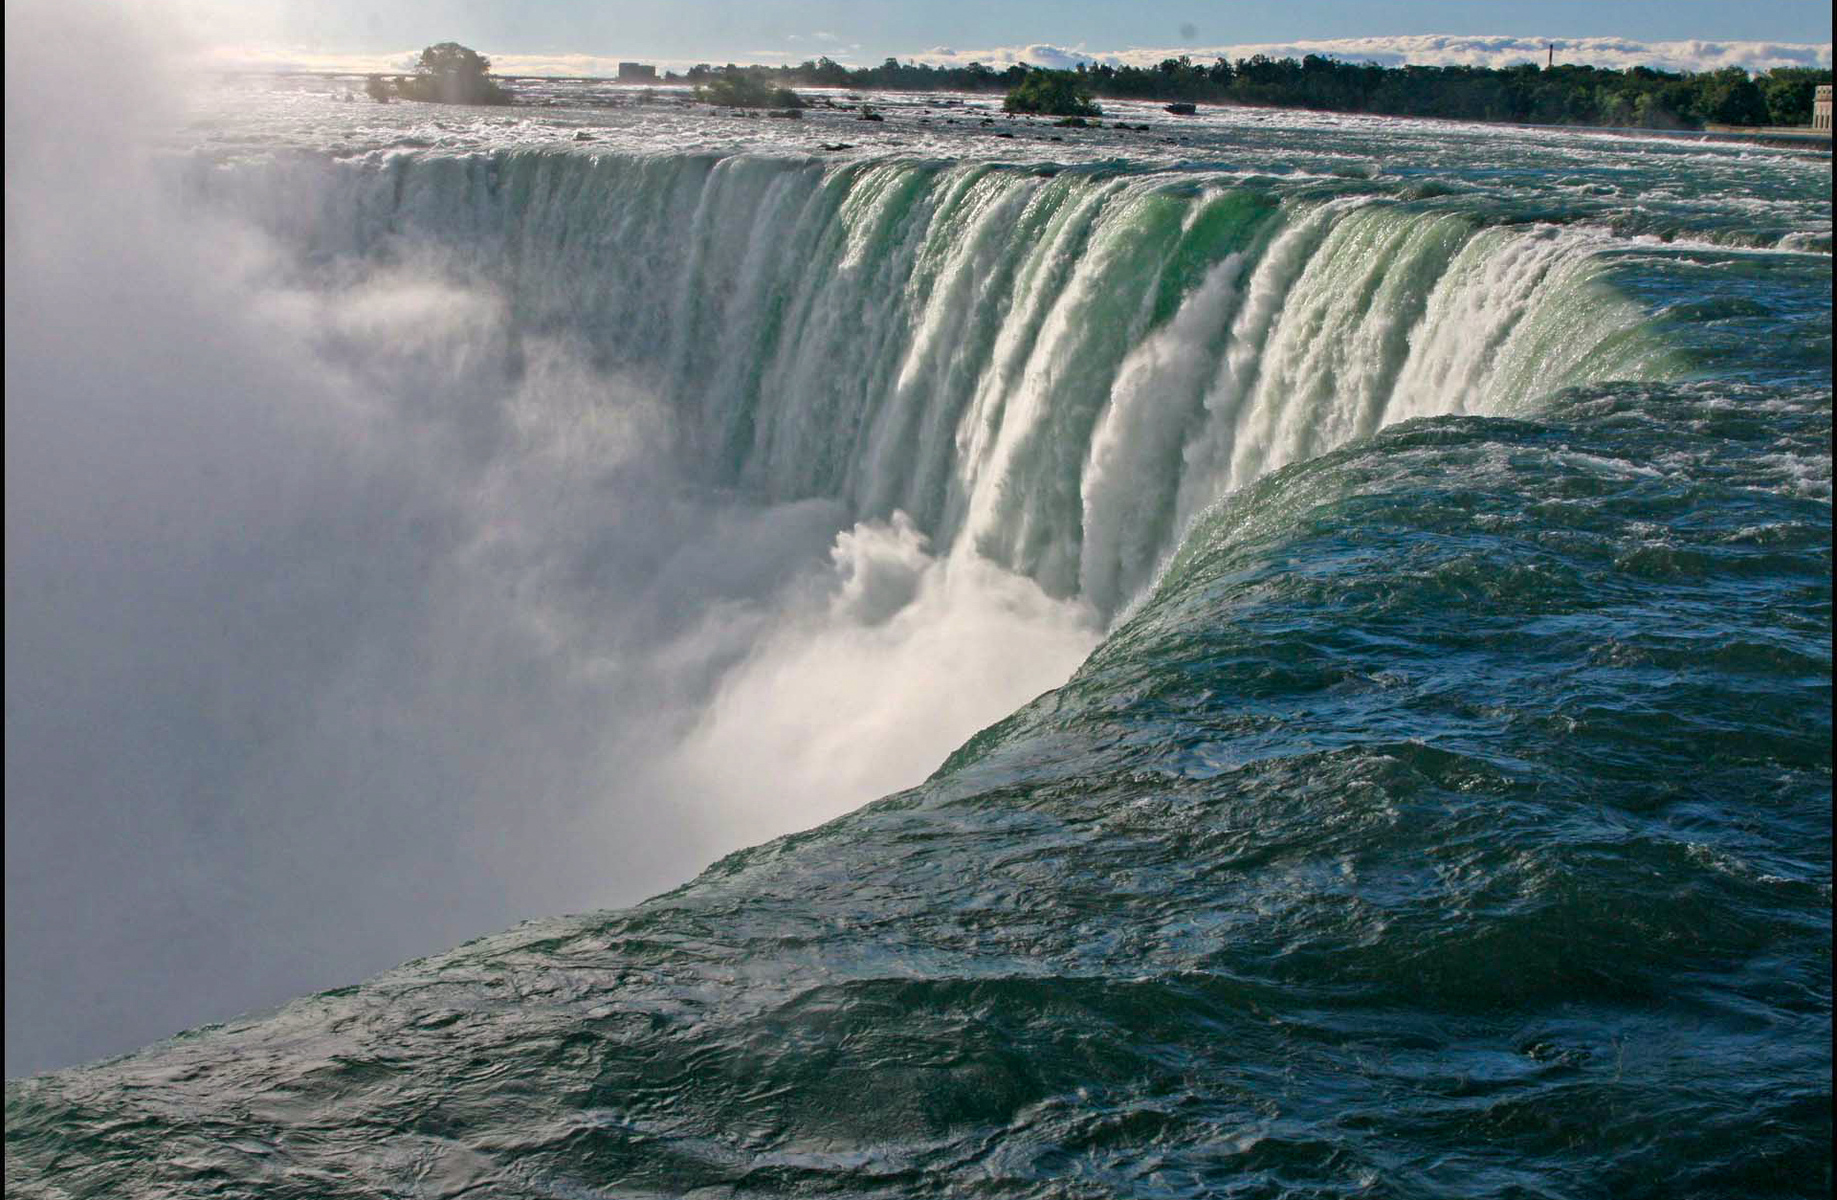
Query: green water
(1446, 812)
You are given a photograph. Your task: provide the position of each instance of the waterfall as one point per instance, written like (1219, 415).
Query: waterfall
(1053, 369)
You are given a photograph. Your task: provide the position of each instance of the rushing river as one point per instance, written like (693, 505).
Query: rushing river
(1434, 521)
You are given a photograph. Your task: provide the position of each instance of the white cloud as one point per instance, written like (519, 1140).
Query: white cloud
(268, 58)
(1432, 50)
(1038, 54)
(557, 66)
(1421, 49)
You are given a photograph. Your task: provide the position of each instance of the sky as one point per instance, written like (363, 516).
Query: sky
(569, 36)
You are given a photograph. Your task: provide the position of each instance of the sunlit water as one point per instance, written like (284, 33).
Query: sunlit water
(1444, 809)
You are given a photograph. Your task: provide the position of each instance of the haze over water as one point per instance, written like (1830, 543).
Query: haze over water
(1367, 584)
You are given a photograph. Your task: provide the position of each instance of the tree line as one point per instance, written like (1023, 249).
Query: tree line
(1561, 95)
(446, 73)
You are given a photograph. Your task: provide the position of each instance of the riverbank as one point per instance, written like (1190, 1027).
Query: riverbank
(1798, 137)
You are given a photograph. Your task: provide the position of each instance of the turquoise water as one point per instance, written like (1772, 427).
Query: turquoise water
(1445, 810)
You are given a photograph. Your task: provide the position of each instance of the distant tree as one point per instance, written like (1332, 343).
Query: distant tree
(1651, 112)
(1052, 93)
(1567, 94)
(449, 73)
(1789, 93)
(377, 88)
(1729, 97)
(824, 72)
(1613, 108)
(734, 88)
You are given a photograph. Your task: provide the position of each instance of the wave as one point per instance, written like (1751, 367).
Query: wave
(1384, 845)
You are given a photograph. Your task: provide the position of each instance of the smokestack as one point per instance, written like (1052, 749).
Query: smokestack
(1551, 61)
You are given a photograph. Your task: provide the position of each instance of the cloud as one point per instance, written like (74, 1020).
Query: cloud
(348, 617)
(297, 58)
(238, 58)
(1038, 54)
(1418, 49)
(944, 627)
(1431, 50)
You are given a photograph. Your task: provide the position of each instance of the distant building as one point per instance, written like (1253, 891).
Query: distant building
(638, 73)
(1821, 108)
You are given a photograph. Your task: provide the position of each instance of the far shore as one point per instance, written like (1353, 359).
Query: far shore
(1779, 137)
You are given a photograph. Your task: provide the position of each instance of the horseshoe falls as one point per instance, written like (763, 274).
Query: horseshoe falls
(1054, 370)
(1273, 655)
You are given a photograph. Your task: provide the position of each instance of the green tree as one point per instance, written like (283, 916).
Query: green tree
(449, 73)
(734, 88)
(1052, 93)
(1613, 108)
(824, 72)
(1650, 112)
(1729, 97)
(1788, 93)
(1569, 94)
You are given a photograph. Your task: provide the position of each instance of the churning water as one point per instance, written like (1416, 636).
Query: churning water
(1440, 515)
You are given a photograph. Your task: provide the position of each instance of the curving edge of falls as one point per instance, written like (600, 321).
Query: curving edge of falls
(1054, 369)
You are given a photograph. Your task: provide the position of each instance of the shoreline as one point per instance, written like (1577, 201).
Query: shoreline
(1776, 137)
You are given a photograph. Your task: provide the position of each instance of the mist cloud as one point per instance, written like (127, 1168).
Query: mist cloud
(346, 619)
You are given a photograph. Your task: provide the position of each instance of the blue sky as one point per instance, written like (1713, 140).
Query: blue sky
(860, 31)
